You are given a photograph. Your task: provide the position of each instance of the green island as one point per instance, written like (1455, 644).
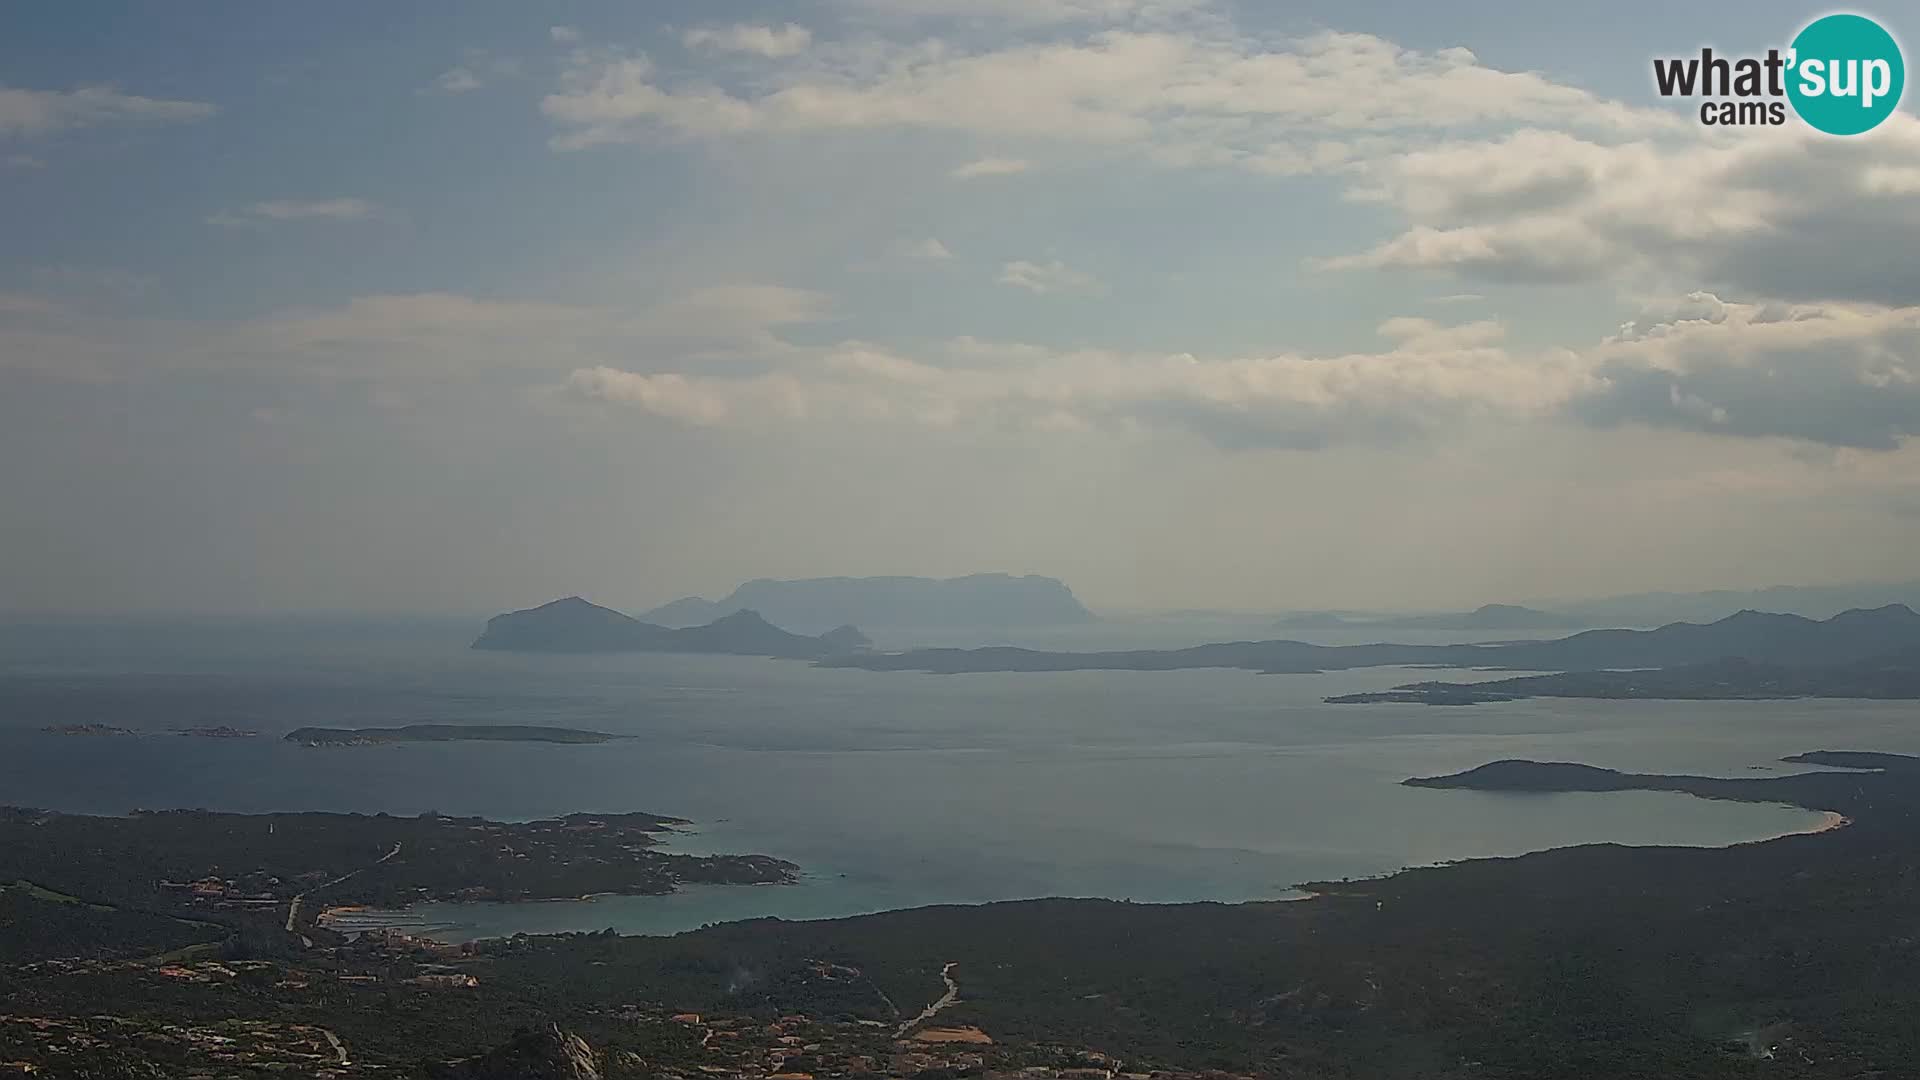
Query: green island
(1791, 957)
(324, 736)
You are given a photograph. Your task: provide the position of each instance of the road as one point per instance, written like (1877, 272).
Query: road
(293, 906)
(338, 1046)
(952, 995)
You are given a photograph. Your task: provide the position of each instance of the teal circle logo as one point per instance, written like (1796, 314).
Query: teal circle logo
(1846, 74)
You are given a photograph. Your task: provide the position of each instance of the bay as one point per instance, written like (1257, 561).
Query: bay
(890, 790)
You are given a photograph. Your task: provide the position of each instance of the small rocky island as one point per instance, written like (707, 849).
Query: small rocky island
(87, 729)
(573, 625)
(324, 736)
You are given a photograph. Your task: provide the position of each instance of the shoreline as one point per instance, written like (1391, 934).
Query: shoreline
(1829, 821)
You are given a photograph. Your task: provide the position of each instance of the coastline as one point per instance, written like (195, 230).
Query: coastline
(1829, 821)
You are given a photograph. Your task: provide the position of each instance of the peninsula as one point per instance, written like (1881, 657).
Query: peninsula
(1891, 678)
(1860, 635)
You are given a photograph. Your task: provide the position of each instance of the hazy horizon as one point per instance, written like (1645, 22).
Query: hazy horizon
(1893, 592)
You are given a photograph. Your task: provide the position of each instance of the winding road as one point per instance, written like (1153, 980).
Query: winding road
(952, 995)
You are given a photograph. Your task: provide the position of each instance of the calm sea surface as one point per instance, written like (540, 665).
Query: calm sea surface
(891, 790)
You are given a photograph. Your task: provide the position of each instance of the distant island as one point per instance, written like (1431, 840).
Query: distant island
(323, 736)
(1811, 790)
(1000, 601)
(1892, 678)
(1489, 617)
(218, 731)
(1851, 637)
(1813, 601)
(574, 625)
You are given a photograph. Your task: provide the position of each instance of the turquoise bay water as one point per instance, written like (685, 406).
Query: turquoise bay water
(890, 790)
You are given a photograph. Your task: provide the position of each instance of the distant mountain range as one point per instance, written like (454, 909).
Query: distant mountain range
(1813, 601)
(814, 604)
(1489, 617)
(1856, 635)
(574, 625)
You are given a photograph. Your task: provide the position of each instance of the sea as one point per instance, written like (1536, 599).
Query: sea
(890, 790)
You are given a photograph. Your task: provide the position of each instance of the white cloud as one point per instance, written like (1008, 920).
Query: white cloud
(1048, 277)
(1786, 214)
(1426, 335)
(992, 166)
(24, 161)
(1845, 376)
(283, 210)
(563, 35)
(1183, 97)
(457, 80)
(26, 113)
(772, 42)
(930, 248)
(1830, 374)
(1430, 378)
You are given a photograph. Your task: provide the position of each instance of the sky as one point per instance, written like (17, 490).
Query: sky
(368, 307)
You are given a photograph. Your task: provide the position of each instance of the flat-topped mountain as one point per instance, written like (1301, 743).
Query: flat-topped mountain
(573, 625)
(814, 604)
(1849, 637)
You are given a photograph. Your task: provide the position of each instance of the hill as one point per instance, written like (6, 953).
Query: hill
(1850, 637)
(573, 625)
(1813, 601)
(1890, 678)
(817, 604)
(1485, 617)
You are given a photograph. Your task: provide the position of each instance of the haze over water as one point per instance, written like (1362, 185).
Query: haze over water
(890, 790)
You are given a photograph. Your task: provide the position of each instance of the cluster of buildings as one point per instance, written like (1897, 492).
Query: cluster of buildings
(73, 1045)
(803, 1048)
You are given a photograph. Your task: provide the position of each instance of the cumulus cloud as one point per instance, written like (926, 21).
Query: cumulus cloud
(1429, 377)
(275, 211)
(1184, 97)
(772, 42)
(1048, 277)
(27, 113)
(1844, 375)
(1827, 375)
(1788, 214)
